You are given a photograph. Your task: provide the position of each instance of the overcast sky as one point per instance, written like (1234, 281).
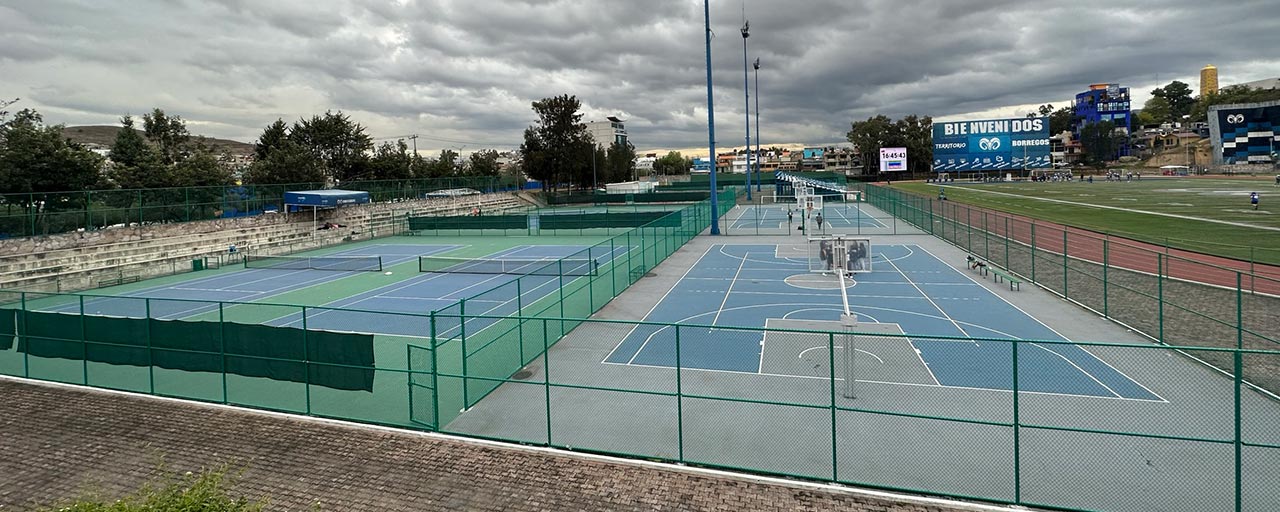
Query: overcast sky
(462, 74)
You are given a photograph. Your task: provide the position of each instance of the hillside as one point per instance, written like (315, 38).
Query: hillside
(106, 135)
(1201, 155)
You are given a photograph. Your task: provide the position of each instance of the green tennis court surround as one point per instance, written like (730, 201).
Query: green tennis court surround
(515, 266)
(338, 263)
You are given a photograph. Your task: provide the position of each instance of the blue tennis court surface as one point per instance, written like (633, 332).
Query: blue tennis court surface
(835, 215)
(747, 285)
(419, 294)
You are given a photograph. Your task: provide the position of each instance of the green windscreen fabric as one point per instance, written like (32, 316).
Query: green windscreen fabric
(51, 335)
(337, 360)
(609, 220)
(8, 327)
(469, 222)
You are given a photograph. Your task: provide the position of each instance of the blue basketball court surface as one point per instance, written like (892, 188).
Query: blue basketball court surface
(909, 289)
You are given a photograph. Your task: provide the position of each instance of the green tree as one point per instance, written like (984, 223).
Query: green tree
(391, 162)
(201, 168)
(37, 158)
(557, 148)
(286, 163)
(1230, 95)
(1158, 110)
(916, 134)
(1099, 143)
(274, 136)
(871, 135)
(444, 166)
(340, 144)
(169, 135)
(134, 162)
(483, 163)
(672, 163)
(1178, 95)
(621, 162)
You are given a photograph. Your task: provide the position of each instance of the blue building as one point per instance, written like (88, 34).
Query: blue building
(702, 165)
(1104, 102)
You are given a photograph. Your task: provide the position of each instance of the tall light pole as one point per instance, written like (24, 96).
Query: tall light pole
(756, 66)
(711, 122)
(746, 90)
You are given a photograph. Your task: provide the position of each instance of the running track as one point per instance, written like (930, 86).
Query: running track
(1121, 252)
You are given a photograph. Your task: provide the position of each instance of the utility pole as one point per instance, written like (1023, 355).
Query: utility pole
(746, 89)
(711, 122)
(757, 73)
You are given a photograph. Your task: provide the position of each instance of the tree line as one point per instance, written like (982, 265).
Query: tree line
(329, 148)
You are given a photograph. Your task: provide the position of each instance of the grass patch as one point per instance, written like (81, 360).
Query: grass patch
(206, 491)
(1151, 205)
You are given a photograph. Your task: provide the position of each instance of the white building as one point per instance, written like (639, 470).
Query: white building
(644, 164)
(607, 132)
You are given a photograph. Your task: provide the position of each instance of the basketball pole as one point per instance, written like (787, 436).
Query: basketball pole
(849, 321)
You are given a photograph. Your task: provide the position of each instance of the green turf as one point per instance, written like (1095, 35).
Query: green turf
(1251, 236)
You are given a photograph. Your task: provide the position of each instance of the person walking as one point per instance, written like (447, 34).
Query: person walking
(818, 219)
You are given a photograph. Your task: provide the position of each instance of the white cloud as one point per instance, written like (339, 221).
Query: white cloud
(467, 70)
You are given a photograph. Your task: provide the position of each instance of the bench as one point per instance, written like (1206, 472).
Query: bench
(1014, 282)
(118, 280)
(997, 274)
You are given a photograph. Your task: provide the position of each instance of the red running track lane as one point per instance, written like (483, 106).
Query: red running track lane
(1121, 252)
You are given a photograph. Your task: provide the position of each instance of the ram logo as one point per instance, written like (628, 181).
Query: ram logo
(990, 144)
(1235, 118)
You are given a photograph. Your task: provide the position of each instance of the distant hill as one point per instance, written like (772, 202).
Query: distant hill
(106, 136)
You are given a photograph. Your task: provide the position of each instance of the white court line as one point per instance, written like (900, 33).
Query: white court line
(841, 347)
(1051, 329)
(729, 292)
(888, 383)
(655, 306)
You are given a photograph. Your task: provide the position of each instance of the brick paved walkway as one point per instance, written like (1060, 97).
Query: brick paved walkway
(65, 442)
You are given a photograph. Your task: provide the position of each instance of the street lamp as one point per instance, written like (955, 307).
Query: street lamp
(756, 66)
(746, 90)
(711, 121)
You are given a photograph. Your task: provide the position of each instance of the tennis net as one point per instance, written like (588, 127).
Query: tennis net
(340, 263)
(515, 266)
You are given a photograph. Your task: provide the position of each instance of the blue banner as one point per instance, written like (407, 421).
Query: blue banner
(991, 145)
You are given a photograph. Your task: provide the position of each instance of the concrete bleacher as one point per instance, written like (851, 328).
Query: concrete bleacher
(78, 261)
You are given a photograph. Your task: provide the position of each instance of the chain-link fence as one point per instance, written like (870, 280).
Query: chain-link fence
(46, 213)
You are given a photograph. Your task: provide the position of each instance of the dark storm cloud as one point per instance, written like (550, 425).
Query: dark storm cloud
(468, 70)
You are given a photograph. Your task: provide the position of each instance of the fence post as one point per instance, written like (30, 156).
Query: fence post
(1017, 439)
(1007, 236)
(679, 400)
(462, 330)
(1239, 445)
(435, 376)
(546, 377)
(306, 361)
(1033, 251)
(222, 349)
(151, 366)
(1106, 262)
(1064, 263)
(84, 346)
(831, 379)
(1160, 294)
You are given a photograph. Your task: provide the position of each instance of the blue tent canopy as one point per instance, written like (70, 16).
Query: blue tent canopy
(324, 198)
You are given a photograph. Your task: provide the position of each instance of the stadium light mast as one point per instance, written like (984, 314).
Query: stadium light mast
(711, 122)
(746, 90)
(756, 66)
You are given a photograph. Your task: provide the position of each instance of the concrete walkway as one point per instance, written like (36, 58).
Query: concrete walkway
(60, 442)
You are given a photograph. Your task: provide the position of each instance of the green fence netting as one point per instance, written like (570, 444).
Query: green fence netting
(344, 360)
(1174, 300)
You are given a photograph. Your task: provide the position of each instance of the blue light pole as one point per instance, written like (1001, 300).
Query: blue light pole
(746, 90)
(757, 73)
(711, 122)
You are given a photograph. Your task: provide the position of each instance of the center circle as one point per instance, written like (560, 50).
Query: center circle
(817, 281)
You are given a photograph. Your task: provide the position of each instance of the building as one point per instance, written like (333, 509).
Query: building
(701, 166)
(813, 159)
(1208, 80)
(1245, 134)
(1104, 102)
(644, 164)
(1266, 83)
(608, 132)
